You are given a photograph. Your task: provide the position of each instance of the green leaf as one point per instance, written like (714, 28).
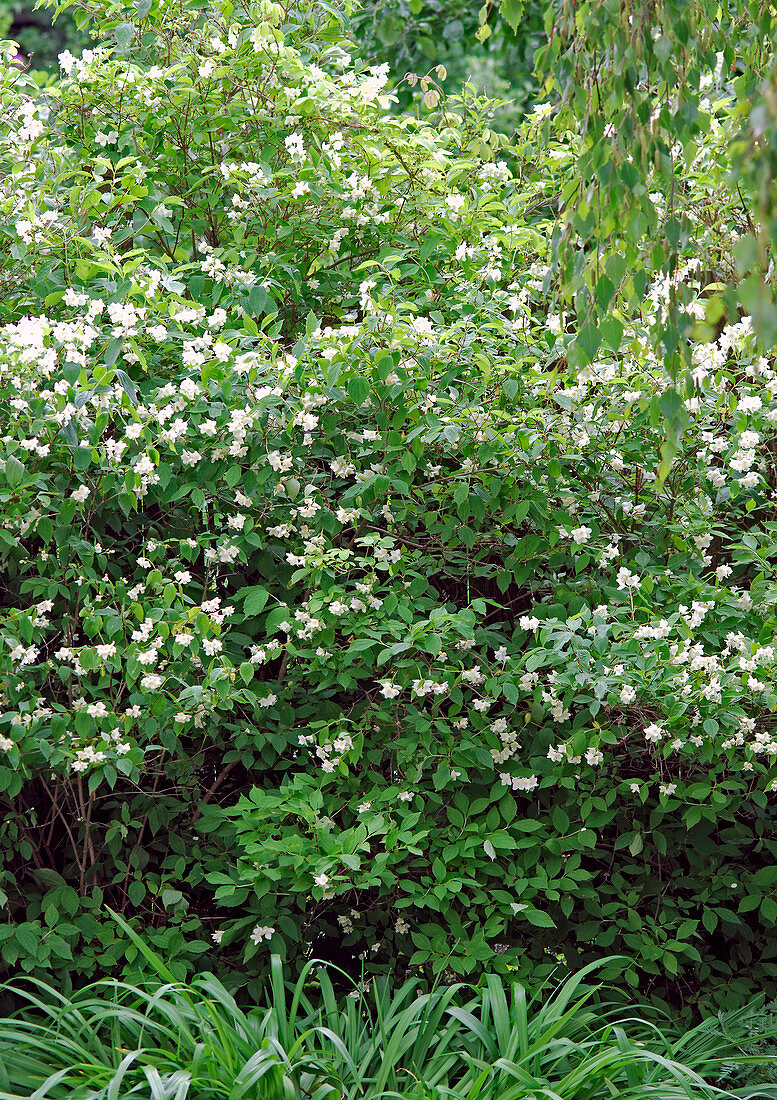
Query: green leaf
(673, 408)
(258, 300)
(136, 891)
(358, 389)
(749, 903)
(768, 911)
(612, 333)
(127, 385)
(14, 471)
(636, 845)
(255, 599)
(28, 937)
(112, 351)
(663, 48)
(588, 340)
(171, 897)
(389, 31)
(538, 918)
(441, 776)
(88, 659)
(512, 12)
(125, 32)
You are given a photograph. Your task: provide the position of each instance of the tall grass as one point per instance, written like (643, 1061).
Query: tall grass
(192, 1041)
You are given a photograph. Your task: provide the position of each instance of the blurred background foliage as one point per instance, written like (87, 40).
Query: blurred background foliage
(39, 35)
(413, 35)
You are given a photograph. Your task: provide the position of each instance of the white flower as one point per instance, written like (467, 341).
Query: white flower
(262, 932)
(749, 403)
(321, 880)
(389, 690)
(81, 494)
(307, 421)
(627, 579)
(217, 935)
(144, 466)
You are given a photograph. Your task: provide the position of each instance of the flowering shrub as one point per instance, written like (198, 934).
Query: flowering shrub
(339, 616)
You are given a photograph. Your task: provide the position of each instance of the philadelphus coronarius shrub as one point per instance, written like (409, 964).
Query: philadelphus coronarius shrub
(338, 617)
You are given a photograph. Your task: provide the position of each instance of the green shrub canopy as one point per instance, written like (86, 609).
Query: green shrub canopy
(340, 614)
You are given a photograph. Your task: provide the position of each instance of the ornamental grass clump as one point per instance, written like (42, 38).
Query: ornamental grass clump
(167, 1039)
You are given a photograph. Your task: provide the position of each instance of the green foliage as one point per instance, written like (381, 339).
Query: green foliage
(759, 1050)
(158, 1040)
(413, 37)
(39, 36)
(641, 92)
(359, 599)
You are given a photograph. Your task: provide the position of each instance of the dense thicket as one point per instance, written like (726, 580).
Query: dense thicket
(363, 594)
